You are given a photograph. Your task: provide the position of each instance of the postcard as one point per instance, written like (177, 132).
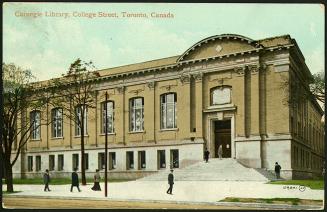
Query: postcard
(163, 105)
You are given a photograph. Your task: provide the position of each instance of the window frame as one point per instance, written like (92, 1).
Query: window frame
(132, 114)
(61, 162)
(36, 126)
(103, 118)
(164, 104)
(55, 122)
(77, 115)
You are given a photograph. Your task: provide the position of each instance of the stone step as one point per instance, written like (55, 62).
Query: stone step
(215, 170)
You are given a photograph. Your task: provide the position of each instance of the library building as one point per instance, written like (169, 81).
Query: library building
(226, 90)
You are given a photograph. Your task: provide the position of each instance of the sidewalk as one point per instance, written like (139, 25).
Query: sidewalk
(184, 191)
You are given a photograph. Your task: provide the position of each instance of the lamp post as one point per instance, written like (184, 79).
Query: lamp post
(106, 150)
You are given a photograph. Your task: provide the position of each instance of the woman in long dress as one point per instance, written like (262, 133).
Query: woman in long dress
(96, 186)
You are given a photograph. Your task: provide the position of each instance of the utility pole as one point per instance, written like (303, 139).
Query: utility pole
(106, 150)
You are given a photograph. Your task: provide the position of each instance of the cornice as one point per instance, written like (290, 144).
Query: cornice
(181, 64)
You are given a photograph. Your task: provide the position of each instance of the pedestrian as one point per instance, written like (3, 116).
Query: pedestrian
(220, 151)
(46, 180)
(206, 155)
(170, 182)
(96, 186)
(75, 181)
(277, 170)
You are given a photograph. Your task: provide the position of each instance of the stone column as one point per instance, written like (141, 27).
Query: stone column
(198, 116)
(120, 115)
(239, 102)
(262, 101)
(183, 105)
(151, 120)
(247, 102)
(254, 97)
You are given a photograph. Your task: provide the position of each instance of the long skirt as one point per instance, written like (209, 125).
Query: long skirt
(96, 186)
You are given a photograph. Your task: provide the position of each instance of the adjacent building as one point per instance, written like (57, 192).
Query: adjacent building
(250, 96)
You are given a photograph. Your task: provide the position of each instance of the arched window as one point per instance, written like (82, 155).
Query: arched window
(136, 114)
(168, 102)
(57, 128)
(35, 118)
(220, 95)
(78, 114)
(110, 116)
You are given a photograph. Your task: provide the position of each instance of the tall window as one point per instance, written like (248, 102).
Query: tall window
(78, 111)
(56, 115)
(110, 116)
(112, 160)
(38, 163)
(168, 111)
(101, 160)
(129, 160)
(136, 106)
(60, 162)
(75, 161)
(220, 95)
(36, 122)
(51, 162)
(86, 161)
(30, 163)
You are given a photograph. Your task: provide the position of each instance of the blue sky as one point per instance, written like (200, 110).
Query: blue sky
(48, 45)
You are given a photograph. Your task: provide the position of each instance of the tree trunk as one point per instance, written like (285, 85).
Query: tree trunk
(9, 177)
(82, 152)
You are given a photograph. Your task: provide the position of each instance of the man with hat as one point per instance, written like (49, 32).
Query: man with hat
(170, 182)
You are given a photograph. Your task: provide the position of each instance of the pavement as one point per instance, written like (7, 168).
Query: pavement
(201, 183)
(183, 191)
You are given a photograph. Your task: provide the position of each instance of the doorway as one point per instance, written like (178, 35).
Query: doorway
(223, 137)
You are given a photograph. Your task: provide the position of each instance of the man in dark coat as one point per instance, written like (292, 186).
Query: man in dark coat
(277, 170)
(75, 181)
(170, 182)
(206, 155)
(46, 180)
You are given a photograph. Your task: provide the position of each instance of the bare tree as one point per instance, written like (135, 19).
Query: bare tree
(298, 94)
(17, 128)
(74, 93)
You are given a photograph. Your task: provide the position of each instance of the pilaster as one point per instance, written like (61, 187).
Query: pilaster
(198, 95)
(183, 105)
(120, 115)
(254, 98)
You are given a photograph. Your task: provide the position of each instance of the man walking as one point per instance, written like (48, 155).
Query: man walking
(206, 155)
(46, 180)
(170, 182)
(277, 170)
(220, 151)
(75, 181)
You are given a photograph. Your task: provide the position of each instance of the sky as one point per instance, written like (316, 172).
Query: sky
(47, 45)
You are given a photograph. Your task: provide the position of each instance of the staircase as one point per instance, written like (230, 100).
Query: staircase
(268, 174)
(227, 169)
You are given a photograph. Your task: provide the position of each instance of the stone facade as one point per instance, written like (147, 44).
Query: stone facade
(229, 90)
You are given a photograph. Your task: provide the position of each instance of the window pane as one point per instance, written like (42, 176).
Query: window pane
(136, 114)
(168, 111)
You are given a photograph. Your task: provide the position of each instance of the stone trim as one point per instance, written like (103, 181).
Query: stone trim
(185, 78)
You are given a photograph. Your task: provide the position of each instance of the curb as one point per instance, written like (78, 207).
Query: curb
(239, 204)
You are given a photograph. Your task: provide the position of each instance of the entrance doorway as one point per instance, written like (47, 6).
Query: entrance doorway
(223, 137)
